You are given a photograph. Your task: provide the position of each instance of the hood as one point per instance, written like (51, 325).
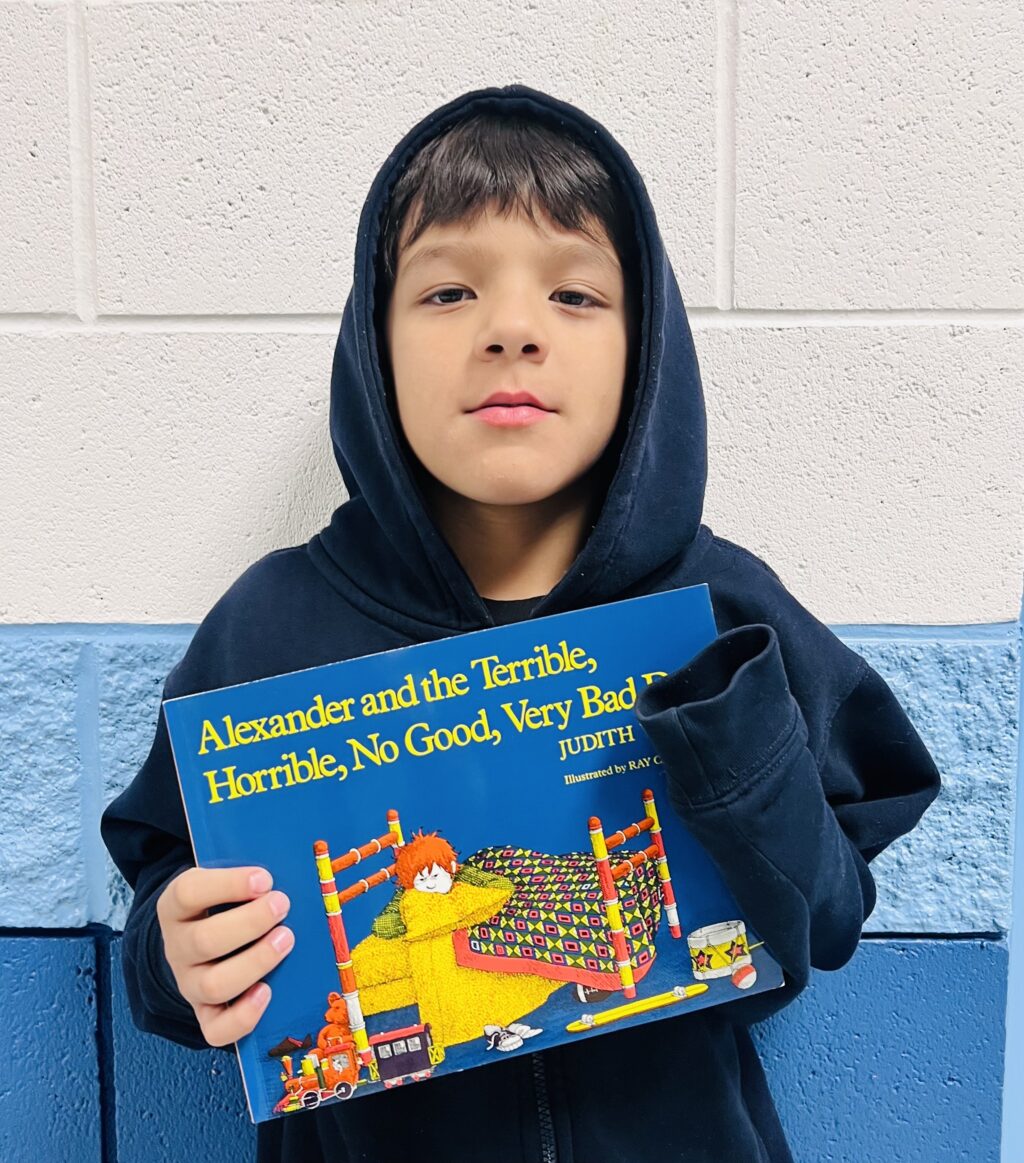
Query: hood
(382, 545)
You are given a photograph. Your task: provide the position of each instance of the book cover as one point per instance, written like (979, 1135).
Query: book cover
(476, 840)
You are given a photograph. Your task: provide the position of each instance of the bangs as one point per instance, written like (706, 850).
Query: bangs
(508, 164)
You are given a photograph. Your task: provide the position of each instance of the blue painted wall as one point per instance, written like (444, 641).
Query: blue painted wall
(899, 1055)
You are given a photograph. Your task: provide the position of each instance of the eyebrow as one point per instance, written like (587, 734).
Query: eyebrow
(575, 251)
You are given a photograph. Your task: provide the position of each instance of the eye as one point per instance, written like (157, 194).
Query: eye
(446, 291)
(582, 294)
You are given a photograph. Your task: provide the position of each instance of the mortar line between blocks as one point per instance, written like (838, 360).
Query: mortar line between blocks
(105, 1048)
(96, 631)
(726, 51)
(83, 198)
(701, 317)
(91, 780)
(903, 633)
(892, 632)
(1012, 1138)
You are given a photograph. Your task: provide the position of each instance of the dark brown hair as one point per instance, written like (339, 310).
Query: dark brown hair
(511, 162)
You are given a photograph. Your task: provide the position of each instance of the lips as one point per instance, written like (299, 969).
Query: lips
(511, 399)
(511, 410)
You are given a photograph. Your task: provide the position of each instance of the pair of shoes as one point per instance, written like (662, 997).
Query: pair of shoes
(590, 993)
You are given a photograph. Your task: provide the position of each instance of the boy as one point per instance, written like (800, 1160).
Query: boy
(517, 413)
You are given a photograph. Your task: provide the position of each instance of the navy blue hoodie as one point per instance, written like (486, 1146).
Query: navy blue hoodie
(786, 755)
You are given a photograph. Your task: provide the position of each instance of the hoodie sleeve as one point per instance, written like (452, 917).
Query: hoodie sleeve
(791, 834)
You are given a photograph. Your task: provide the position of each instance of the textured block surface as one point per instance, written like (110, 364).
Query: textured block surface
(130, 678)
(174, 1103)
(954, 872)
(875, 468)
(878, 155)
(35, 193)
(897, 1056)
(240, 190)
(49, 1079)
(43, 880)
(177, 461)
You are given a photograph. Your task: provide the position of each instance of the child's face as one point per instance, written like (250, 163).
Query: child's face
(433, 879)
(514, 316)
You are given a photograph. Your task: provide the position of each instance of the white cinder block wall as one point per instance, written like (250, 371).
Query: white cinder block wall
(840, 192)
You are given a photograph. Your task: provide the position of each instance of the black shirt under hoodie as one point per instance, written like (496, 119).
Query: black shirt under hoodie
(785, 753)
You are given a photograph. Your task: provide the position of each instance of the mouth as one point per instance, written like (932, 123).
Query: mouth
(511, 410)
(512, 399)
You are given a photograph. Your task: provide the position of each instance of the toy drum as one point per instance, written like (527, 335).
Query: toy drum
(717, 950)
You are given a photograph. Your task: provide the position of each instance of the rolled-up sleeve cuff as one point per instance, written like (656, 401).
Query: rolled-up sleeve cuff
(724, 716)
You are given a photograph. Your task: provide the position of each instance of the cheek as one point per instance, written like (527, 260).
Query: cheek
(420, 420)
(423, 399)
(597, 412)
(605, 381)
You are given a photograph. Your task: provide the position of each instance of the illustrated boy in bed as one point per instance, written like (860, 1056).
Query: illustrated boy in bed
(478, 945)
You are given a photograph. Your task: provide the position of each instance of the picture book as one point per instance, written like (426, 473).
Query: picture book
(478, 847)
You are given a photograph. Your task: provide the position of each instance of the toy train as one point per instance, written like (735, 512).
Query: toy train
(332, 1071)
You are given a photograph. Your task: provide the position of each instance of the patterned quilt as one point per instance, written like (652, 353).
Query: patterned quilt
(554, 925)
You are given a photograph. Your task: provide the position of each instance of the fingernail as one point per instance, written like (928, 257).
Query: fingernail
(260, 993)
(279, 903)
(282, 940)
(260, 881)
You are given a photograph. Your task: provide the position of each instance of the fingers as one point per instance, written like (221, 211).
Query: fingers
(217, 982)
(222, 956)
(210, 938)
(195, 890)
(222, 1025)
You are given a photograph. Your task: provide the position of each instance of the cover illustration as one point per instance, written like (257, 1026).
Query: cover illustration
(477, 844)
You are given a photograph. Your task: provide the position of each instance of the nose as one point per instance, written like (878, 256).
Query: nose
(513, 327)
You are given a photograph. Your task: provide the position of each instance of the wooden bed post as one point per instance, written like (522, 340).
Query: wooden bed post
(612, 908)
(395, 827)
(668, 895)
(333, 900)
(342, 954)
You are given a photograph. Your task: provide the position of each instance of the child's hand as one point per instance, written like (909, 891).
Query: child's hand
(194, 944)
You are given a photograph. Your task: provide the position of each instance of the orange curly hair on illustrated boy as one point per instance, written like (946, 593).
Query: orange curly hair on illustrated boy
(424, 853)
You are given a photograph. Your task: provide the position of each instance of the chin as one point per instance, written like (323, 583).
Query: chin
(515, 479)
(513, 489)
